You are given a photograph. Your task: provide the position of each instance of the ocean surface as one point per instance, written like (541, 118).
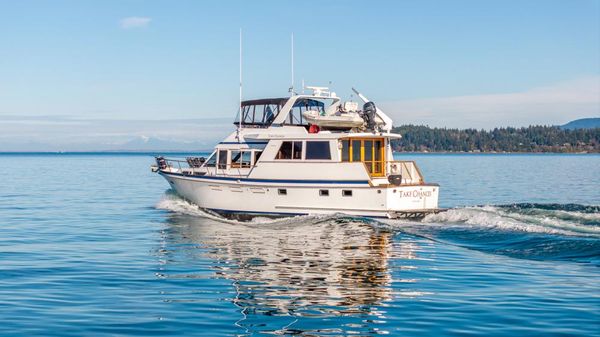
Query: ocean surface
(96, 244)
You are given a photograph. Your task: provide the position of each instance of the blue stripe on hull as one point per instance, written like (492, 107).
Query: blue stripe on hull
(233, 212)
(229, 211)
(249, 143)
(281, 181)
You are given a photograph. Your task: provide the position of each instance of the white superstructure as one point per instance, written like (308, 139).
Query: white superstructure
(277, 163)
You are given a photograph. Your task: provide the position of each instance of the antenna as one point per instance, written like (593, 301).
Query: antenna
(292, 87)
(241, 110)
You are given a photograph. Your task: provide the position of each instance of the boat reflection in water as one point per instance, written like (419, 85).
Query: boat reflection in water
(316, 275)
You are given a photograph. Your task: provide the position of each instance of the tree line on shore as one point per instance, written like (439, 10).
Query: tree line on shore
(419, 138)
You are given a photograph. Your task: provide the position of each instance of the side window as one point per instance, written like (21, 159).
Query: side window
(240, 159)
(317, 150)
(235, 159)
(285, 151)
(222, 159)
(297, 150)
(290, 150)
(345, 150)
(246, 158)
(356, 150)
(257, 156)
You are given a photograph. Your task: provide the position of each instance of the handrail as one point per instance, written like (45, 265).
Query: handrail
(174, 163)
(405, 168)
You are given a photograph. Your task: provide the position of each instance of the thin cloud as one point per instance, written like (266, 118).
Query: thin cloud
(134, 22)
(44, 133)
(553, 104)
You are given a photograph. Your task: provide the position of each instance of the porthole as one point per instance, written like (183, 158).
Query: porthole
(324, 193)
(346, 193)
(282, 191)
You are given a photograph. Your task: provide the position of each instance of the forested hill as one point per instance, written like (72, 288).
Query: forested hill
(525, 139)
(583, 123)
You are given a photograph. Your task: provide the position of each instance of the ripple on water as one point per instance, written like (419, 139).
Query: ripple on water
(338, 275)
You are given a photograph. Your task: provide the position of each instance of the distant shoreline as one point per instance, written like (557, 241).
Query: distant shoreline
(531, 139)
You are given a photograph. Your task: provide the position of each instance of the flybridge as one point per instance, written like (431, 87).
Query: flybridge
(322, 109)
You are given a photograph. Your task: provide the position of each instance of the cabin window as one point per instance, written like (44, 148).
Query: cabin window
(235, 159)
(211, 161)
(378, 164)
(282, 191)
(345, 150)
(318, 150)
(355, 150)
(297, 150)
(240, 159)
(370, 151)
(246, 158)
(257, 156)
(290, 150)
(285, 151)
(346, 193)
(324, 193)
(223, 159)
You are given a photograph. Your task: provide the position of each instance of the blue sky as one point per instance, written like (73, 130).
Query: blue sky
(443, 63)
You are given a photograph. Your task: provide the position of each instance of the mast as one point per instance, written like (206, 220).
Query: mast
(292, 86)
(241, 110)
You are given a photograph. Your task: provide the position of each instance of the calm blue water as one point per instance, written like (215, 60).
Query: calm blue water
(96, 245)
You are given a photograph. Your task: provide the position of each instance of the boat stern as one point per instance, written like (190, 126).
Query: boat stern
(412, 201)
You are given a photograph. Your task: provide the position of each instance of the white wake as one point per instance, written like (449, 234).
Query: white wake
(493, 217)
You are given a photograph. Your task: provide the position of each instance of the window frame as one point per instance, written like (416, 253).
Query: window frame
(376, 164)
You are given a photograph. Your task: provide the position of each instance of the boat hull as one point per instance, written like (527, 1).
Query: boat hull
(256, 197)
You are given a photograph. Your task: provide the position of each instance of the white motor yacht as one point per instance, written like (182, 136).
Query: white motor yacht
(304, 154)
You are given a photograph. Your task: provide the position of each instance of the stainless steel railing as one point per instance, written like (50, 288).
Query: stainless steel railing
(408, 169)
(190, 168)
